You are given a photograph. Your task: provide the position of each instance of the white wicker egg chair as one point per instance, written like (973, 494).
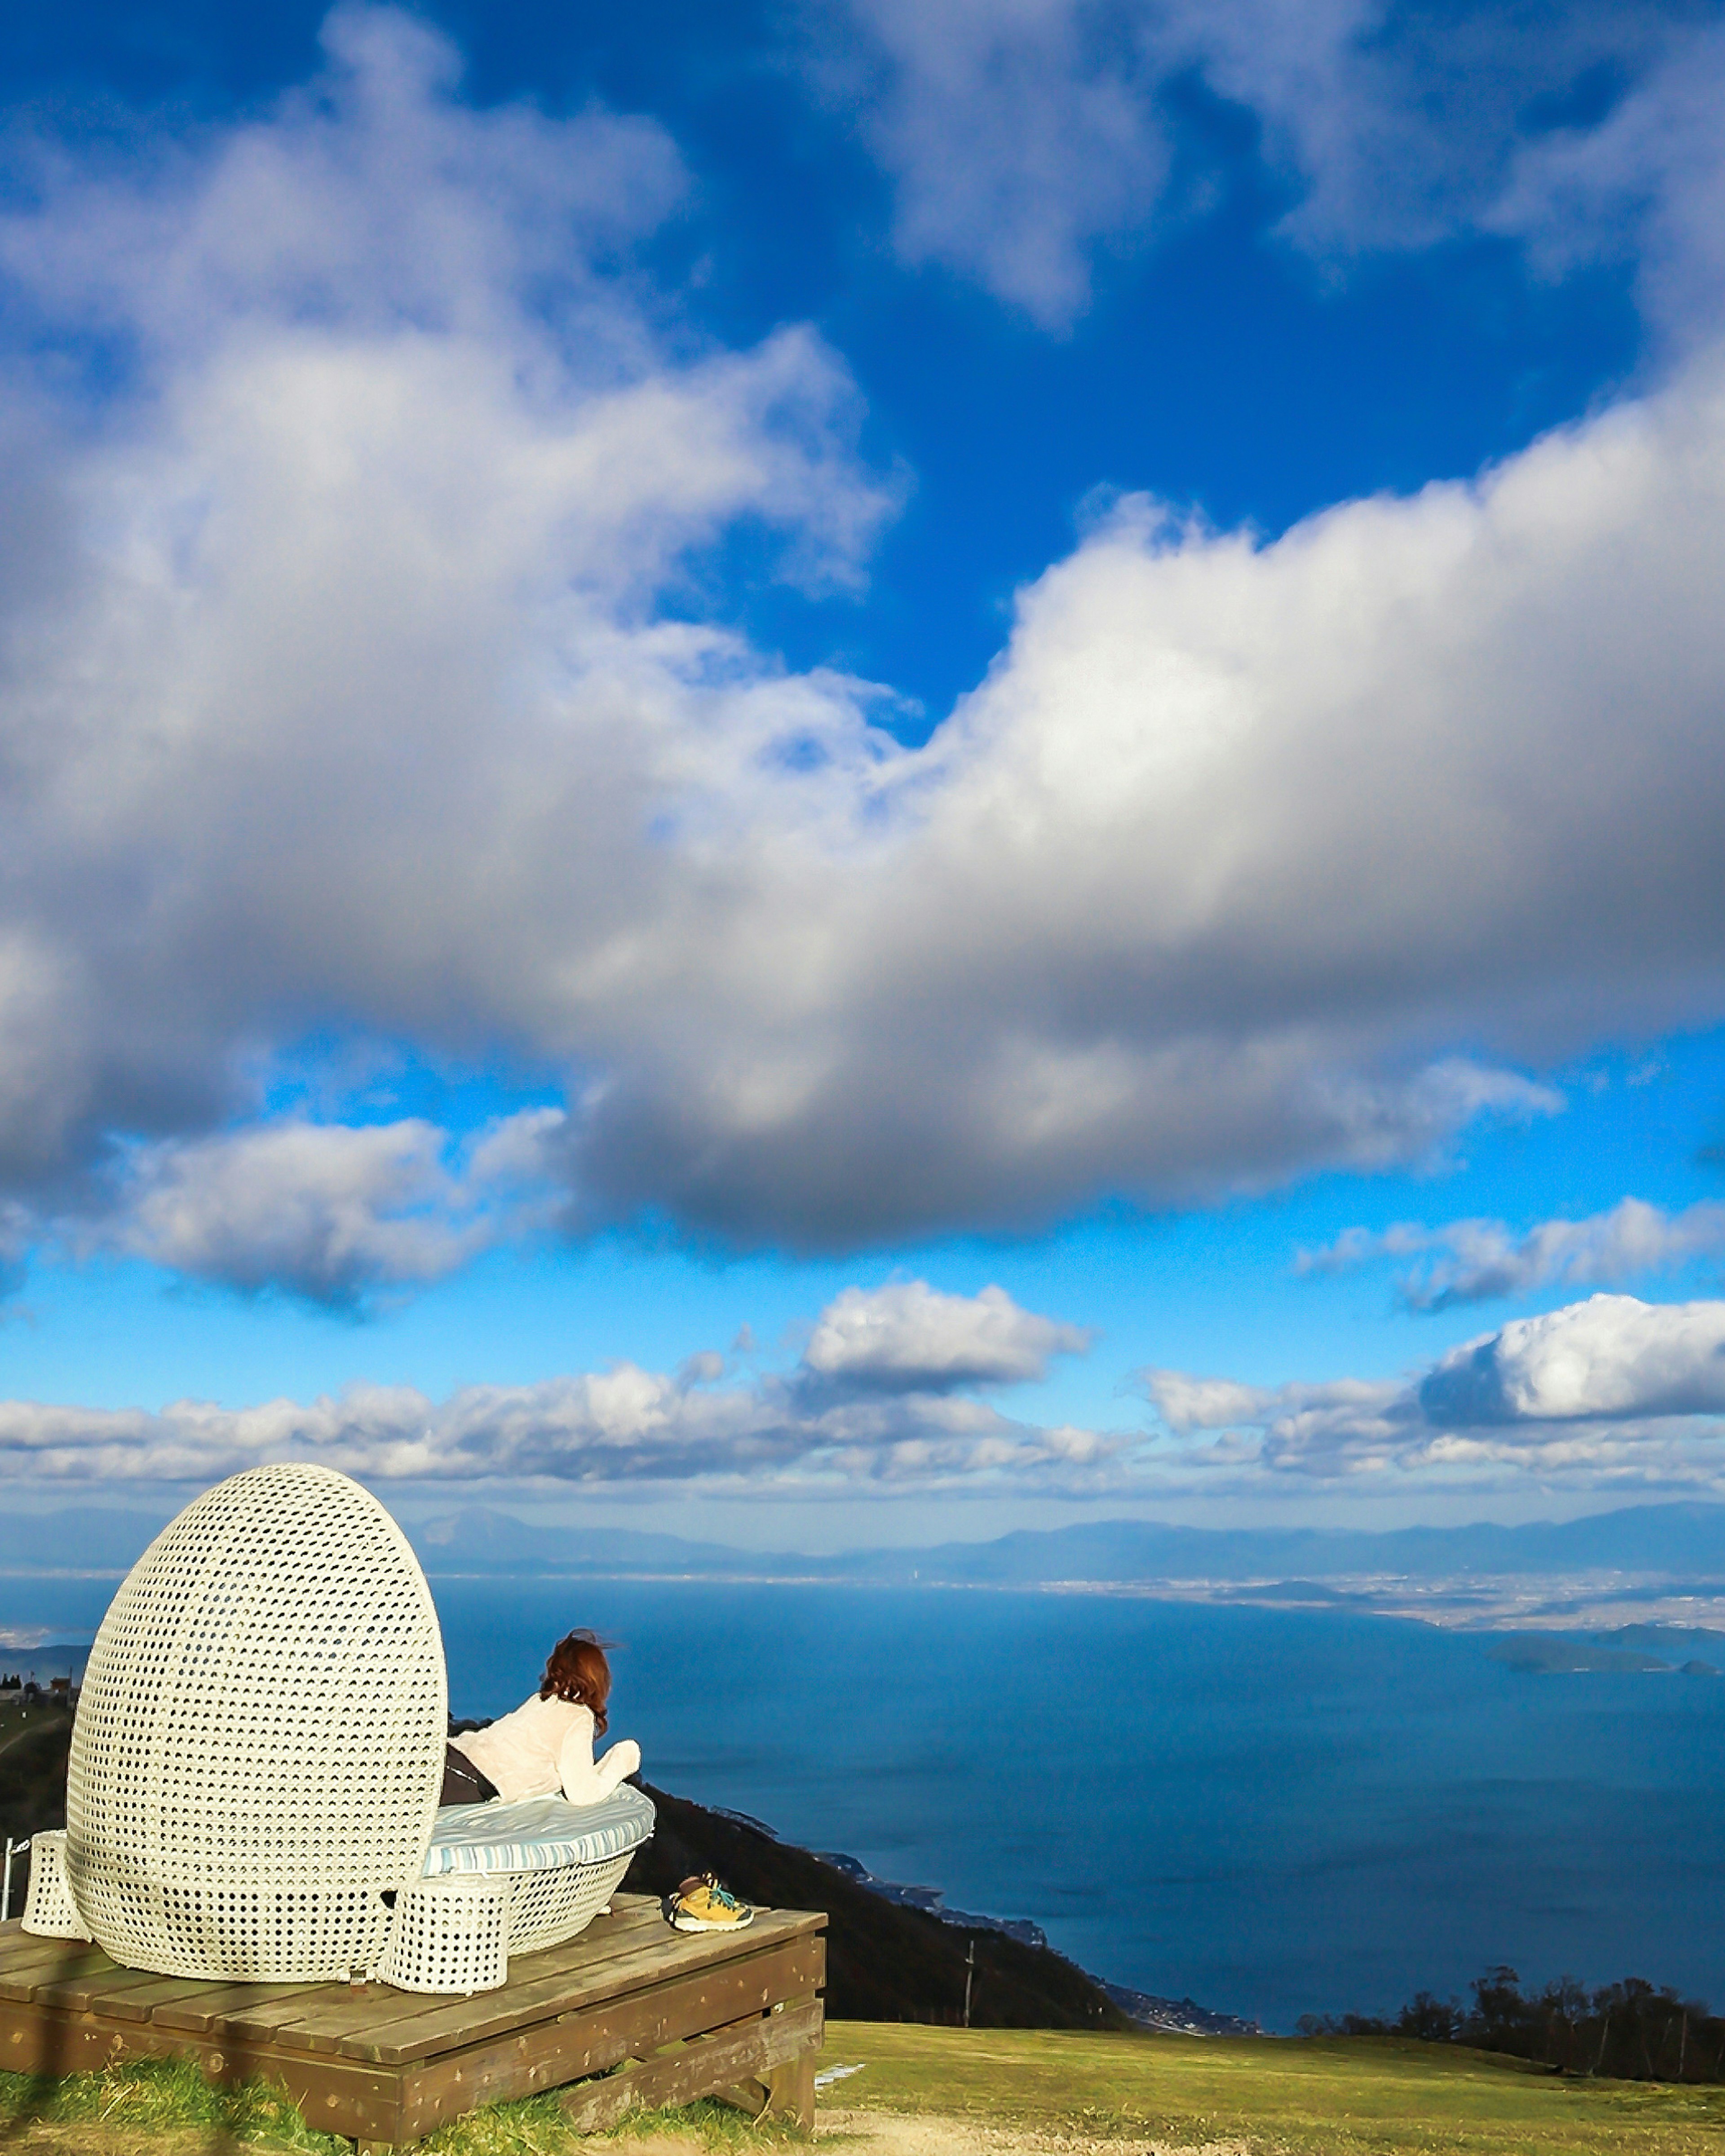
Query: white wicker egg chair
(260, 1743)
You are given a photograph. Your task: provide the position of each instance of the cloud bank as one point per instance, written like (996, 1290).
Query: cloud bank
(1611, 1390)
(872, 1418)
(1483, 1258)
(366, 681)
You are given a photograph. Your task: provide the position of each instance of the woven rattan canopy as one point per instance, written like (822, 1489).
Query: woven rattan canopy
(260, 1743)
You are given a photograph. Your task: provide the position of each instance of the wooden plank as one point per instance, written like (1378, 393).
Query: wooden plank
(20, 1973)
(343, 2013)
(108, 1991)
(387, 2024)
(546, 2057)
(704, 1999)
(698, 2068)
(183, 1995)
(171, 1993)
(666, 1957)
(262, 2020)
(257, 2008)
(19, 1945)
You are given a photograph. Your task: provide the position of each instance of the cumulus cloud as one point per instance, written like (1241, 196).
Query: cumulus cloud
(1015, 136)
(1483, 1258)
(1608, 1389)
(1024, 139)
(361, 685)
(623, 1424)
(1611, 1355)
(327, 1211)
(908, 1337)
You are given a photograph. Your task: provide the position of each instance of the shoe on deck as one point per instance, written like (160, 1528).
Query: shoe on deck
(703, 1905)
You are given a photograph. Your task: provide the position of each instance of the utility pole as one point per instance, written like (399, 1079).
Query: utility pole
(969, 1977)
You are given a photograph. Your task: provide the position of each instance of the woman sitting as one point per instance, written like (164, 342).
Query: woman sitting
(547, 1744)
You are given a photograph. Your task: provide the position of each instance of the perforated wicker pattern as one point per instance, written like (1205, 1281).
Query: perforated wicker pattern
(456, 1933)
(450, 1935)
(259, 1742)
(49, 1910)
(546, 1908)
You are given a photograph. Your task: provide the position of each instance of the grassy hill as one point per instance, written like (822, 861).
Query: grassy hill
(34, 1742)
(927, 2091)
(1341, 2096)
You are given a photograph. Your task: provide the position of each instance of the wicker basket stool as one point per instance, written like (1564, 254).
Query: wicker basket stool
(49, 1910)
(448, 1935)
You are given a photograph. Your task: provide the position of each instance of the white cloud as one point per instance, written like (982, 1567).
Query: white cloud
(908, 1337)
(327, 1211)
(1646, 183)
(1608, 1390)
(1483, 1258)
(1023, 139)
(623, 1424)
(1014, 141)
(1609, 1393)
(1610, 1355)
(360, 691)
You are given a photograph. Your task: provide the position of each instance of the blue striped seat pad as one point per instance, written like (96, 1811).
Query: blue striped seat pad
(536, 1834)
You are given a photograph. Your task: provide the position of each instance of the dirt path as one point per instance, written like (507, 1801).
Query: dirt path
(894, 2133)
(856, 2133)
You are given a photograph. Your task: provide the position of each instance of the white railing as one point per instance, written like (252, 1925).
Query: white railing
(12, 1849)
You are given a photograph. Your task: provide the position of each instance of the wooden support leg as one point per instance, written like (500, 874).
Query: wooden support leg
(790, 2090)
(761, 2049)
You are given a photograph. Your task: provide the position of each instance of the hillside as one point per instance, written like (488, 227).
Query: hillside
(885, 1962)
(33, 1749)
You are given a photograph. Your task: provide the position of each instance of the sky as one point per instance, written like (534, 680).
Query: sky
(852, 772)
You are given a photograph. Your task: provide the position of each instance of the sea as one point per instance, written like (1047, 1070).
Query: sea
(1271, 1812)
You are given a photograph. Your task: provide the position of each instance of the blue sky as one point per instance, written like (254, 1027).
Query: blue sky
(854, 771)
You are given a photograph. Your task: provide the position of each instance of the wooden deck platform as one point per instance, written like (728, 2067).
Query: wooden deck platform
(663, 2017)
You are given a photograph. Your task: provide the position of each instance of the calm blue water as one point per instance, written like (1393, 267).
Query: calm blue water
(1275, 1812)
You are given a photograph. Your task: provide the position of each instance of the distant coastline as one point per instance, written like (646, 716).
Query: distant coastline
(1661, 1564)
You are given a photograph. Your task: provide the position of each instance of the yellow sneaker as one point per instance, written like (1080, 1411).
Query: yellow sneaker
(703, 1905)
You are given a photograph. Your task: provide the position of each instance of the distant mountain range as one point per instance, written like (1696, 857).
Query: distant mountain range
(1684, 1540)
(1677, 1542)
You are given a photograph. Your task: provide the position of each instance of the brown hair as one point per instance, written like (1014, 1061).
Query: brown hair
(578, 1671)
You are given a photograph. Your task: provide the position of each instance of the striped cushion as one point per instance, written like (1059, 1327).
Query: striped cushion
(538, 1834)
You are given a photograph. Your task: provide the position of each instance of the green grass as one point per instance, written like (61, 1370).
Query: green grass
(163, 2097)
(1359, 2096)
(1344, 2097)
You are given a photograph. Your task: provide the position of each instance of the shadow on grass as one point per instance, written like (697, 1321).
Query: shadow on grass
(152, 2097)
(157, 2096)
